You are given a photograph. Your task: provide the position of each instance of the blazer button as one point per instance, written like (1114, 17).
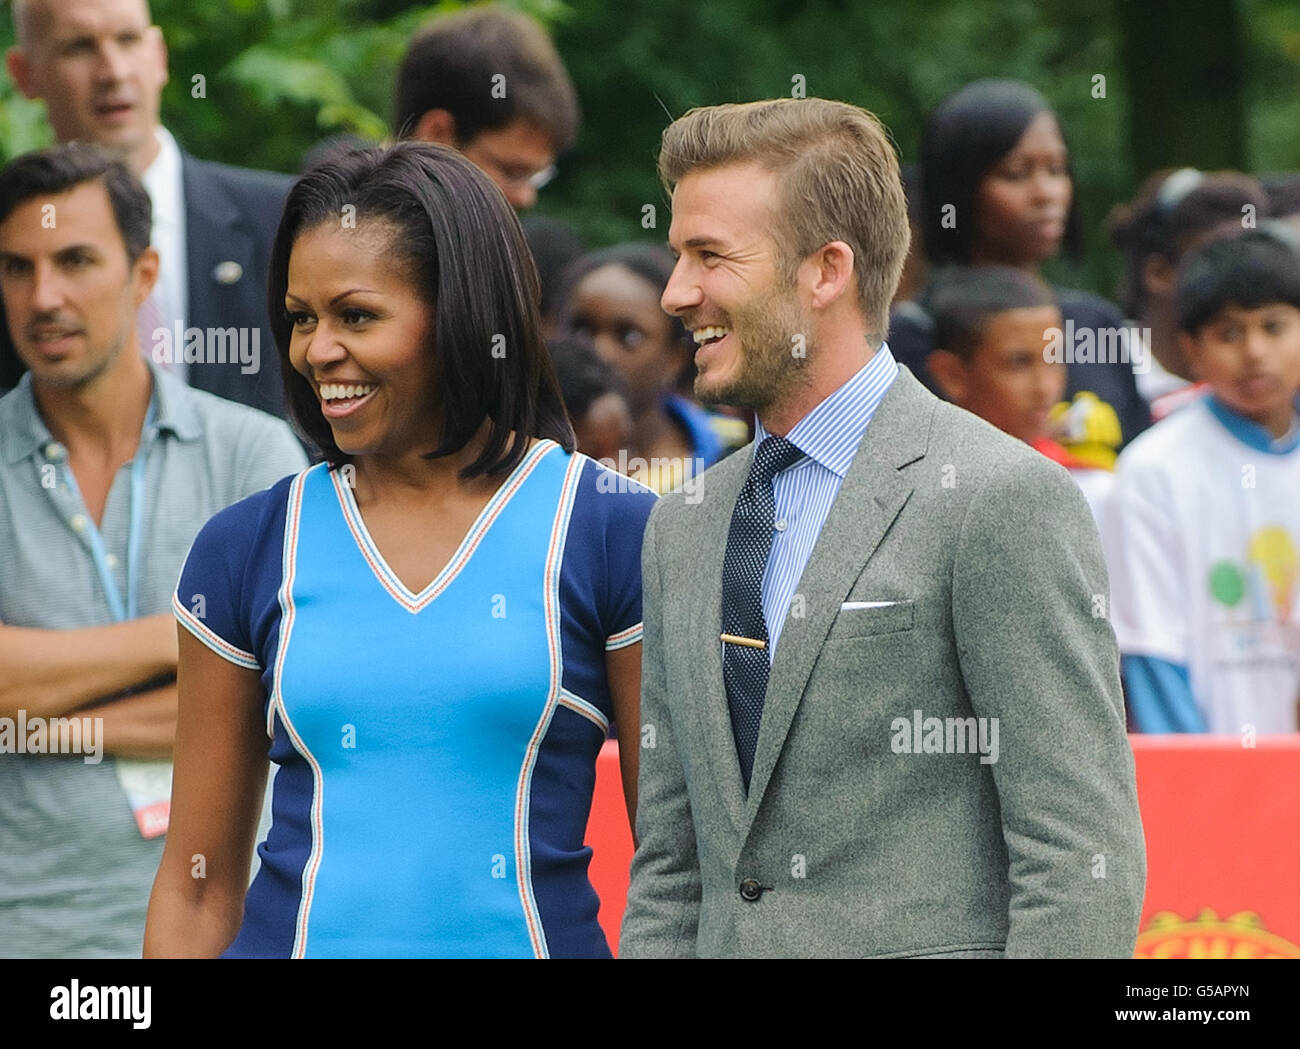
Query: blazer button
(750, 890)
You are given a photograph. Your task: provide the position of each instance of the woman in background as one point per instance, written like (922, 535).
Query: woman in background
(997, 188)
(612, 299)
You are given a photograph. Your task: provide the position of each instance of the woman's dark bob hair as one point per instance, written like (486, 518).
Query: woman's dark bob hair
(467, 255)
(963, 139)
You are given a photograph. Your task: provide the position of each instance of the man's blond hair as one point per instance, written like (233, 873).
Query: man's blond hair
(838, 176)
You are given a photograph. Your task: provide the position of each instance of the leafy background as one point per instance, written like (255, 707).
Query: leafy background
(1206, 82)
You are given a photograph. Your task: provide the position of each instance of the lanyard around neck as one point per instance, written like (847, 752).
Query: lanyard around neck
(135, 517)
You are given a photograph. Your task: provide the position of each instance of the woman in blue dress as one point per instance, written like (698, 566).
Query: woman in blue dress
(428, 634)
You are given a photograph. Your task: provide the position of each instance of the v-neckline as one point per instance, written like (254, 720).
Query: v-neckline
(384, 574)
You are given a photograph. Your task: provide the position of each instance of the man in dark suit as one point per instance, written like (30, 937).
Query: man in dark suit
(100, 67)
(937, 766)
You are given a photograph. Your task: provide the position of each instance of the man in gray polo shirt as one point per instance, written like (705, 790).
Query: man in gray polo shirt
(108, 468)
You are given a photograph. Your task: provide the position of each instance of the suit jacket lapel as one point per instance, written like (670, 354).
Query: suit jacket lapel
(720, 489)
(213, 235)
(869, 500)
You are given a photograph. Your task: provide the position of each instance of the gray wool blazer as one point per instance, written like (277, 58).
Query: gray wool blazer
(877, 822)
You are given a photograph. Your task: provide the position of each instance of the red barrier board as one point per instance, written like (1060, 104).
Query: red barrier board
(1222, 824)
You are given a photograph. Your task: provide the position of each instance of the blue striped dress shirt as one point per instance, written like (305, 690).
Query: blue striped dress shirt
(828, 436)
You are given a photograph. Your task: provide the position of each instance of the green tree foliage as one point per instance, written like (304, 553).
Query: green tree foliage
(279, 75)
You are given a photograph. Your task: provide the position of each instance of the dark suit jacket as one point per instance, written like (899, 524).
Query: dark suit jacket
(231, 215)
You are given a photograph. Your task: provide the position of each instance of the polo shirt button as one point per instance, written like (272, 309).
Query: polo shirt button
(55, 452)
(111, 560)
(750, 890)
(78, 523)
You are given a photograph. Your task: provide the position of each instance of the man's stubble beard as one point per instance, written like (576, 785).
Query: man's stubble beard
(774, 354)
(84, 379)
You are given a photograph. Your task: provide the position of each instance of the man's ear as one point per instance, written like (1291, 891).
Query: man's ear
(831, 273)
(145, 271)
(161, 44)
(435, 125)
(20, 71)
(949, 371)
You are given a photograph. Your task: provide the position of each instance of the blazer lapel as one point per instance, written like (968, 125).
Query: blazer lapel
(214, 238)
(871, 497)
(720, 489)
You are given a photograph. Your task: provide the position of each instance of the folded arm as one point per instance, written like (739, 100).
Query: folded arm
(137, 726)
(49, 673)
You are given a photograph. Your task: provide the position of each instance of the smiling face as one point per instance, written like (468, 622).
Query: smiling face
(1251, 359)
(619, 312)
(70, 294)
(1023, 202)
(100, 68)
(729, 288)
(361, 335)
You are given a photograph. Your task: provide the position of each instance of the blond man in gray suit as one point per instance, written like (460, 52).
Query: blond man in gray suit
(881, 706)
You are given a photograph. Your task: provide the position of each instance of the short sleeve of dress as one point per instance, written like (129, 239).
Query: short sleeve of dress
(627, 505)
(209, 600)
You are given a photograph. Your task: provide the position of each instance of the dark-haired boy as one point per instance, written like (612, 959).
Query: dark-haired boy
(1203, 527)
(490, 83)
(992, 327)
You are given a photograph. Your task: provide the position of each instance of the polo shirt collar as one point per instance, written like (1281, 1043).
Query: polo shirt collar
(831, 433)
(174, 405)
(23, 432)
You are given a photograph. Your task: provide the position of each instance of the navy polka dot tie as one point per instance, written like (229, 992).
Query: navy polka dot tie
(745, 667)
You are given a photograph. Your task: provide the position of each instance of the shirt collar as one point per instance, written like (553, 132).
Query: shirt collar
(831, 433)
(1253, 435)
(23, 432)
(162, 178)
(174, 404)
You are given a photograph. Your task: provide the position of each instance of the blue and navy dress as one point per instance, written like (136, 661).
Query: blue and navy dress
(435, 750)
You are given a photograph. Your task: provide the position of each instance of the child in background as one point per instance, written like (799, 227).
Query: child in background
(1203, 526)
(612, 299)
(997, 189)
(993, 325)
(1173, 214)
(593, 396)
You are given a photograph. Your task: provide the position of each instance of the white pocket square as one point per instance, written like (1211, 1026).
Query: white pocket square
(849, 606)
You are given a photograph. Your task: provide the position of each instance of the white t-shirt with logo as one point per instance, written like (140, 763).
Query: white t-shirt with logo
(1201, 533)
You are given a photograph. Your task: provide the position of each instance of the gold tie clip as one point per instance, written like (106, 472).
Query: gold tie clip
(748, 642)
